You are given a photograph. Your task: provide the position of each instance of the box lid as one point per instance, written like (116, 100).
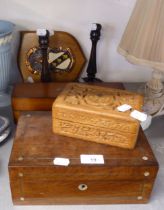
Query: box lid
(98, 100)
(35, 145)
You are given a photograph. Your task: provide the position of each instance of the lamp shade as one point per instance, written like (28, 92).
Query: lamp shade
(143, 40)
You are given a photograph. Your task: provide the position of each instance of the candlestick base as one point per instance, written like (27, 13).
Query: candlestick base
(87, 79)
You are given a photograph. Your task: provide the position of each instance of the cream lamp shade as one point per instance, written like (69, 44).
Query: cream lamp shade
(142, 43)
(143, 40)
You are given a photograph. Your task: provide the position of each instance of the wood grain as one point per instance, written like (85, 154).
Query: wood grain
(34, 179)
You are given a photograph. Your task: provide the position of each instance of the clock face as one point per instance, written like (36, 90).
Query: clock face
(60, 60)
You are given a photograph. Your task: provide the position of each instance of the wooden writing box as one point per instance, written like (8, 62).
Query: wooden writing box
(90, 113)
(127, 176)
(40, 96)
(34, 97)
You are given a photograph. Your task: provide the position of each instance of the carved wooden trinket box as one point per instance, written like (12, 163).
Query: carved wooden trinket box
(90, 113)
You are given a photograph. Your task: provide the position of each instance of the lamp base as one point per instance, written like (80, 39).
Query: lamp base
(154, 95)
(4, 99)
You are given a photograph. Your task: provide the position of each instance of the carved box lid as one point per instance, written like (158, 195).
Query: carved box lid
(98, 100)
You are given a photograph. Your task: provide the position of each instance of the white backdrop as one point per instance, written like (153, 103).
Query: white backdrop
(75, 17)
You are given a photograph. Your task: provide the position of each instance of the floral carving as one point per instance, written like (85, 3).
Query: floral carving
(102, 98)
(87, 132)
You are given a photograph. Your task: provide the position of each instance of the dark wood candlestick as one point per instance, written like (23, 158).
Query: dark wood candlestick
(92, 66)
(43, 44)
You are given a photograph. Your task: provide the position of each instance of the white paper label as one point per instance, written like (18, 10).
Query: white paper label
(124, 108)
(61, 161)
(41, 32)
(92, 159)
(52, 32)
(30, 80)
(94, 26)
(138, 115)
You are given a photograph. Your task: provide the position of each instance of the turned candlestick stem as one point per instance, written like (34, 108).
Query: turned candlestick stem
(43, 44)
(92, 65)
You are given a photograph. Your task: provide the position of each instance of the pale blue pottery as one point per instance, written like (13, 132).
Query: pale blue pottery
(6, 29)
